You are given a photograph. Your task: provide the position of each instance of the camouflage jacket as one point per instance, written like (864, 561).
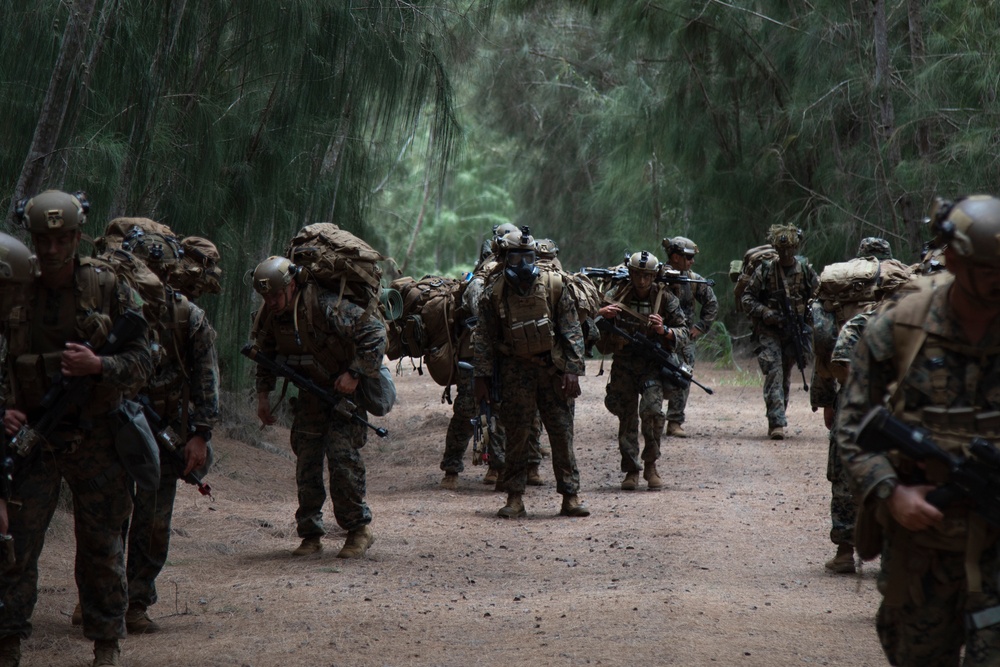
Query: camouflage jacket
(947, 372)
(823, 390)
(189, 365)
(691, 293)
(764, 293)
(488, 335)
(359, 338)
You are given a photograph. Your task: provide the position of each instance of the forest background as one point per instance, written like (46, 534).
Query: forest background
(605, 125)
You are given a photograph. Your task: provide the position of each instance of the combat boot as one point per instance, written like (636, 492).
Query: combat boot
(776, 433)
(535, 477)
(651, 476)
(138, 622)
(107, 653)
(358, 541)
(309, 546)
(77, 617)
(514, 509)
(675, 430)
(450, 481)
(571, 506)
(491, 476)
(10, 651)
(843, 562)
(631, 481)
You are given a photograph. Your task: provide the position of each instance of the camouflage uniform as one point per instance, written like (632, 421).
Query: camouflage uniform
(923, 574)
(81, 451)
(776, 345)
(530, 384)
(634, 375)
(358, 340)
(823, 393)
(689, 294)
(189, 371)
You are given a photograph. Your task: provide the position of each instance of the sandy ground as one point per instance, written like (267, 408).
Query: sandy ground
(724, 566)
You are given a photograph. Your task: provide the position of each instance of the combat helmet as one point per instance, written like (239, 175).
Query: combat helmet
(644, 262)
(680, 245)
(970, 226)
(873, 246)
(53, 211)
(518, 249)
(273, 275)
(17, 263)
(784, 236)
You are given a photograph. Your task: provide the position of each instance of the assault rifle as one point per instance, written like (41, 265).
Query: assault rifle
(800, 331)
(485, 423)
(67, 393)
(678, 376)
(974, 478)
(342, 406)
(170, 442)
(664, 275)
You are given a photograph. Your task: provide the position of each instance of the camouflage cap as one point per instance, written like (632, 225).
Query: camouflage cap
(873, 246)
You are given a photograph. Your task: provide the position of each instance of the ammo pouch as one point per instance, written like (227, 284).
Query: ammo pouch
(136, 445)
(377, 394)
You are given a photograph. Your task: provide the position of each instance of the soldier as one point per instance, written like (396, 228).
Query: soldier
(776, 300)
(640, 306)
(681, 253)
(934, 361)
(530, 331)
(873, 246)
(71, 310)
(184, 391)
(343, 343)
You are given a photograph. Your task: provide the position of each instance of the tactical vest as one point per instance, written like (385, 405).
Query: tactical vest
(795, 285)
(169, 392)
(35, 349)
(304, 341)
(628, 322)
(526, 326)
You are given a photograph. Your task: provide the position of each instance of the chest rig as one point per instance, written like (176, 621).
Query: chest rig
(793, 285)
(303, 338)
(526, 323)
(38, 330)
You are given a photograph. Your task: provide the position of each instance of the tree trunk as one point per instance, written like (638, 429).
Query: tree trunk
(50, 117)
(423, 205)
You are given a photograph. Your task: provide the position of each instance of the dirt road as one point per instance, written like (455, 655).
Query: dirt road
(724, 566)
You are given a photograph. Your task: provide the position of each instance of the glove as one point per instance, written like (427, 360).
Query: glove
(772, 317)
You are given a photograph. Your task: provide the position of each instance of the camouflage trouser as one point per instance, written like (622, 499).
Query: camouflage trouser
(525, 389)
(101, 504)
(777, 359)
(149, 534)
(634, 392)
(677, 398)
(843, 508)
(933, 630)
(318, 433)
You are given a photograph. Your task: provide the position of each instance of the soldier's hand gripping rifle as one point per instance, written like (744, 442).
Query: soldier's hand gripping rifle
(342, 406)
(796, 326)
(678, 376)
(67, 393)
(974, 478)
(171, 443)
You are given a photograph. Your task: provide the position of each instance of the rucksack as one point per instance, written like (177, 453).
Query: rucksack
(848, 288)
(198, 271)
(119, 228)
(752, 258)
(427, 326)
(339, 261)
(149, 287)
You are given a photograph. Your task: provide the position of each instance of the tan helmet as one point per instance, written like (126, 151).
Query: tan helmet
(504, 229)
(784, 236)
(643, 261)
(273, 274)
(53, 211)
(517, 240)
(17, 263)
(970, 226)
(680, 245)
